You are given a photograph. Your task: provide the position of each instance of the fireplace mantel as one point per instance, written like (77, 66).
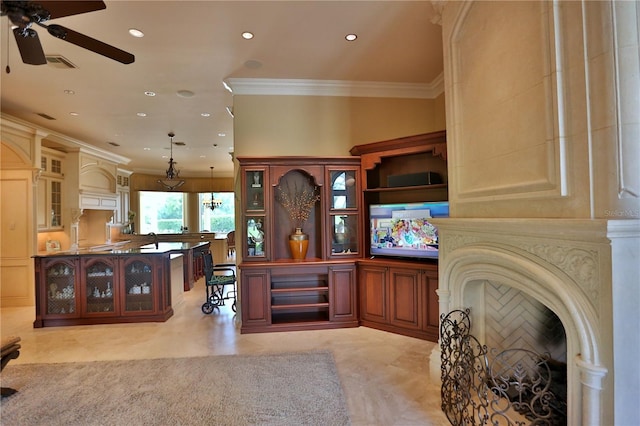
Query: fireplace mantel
(585, 271)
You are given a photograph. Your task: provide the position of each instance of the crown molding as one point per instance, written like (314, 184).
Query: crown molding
(356, 89)
(53, 139)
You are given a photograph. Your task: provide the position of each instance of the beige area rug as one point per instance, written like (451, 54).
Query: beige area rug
(275, 389)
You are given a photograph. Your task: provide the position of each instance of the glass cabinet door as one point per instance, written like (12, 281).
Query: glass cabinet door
(254, 189)
(61, 290)
(255, 204)
(344, 198)
(56, 204)
(139, 285)
(344, 194)
(256, 238)
(344, 234)
(99, 286)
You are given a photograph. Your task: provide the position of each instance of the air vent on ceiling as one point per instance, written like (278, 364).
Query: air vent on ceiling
(43, 115)
(113, 144)
(59, 61)
(179, 143)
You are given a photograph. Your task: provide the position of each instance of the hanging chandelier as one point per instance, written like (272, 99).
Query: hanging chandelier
(212, 203)
(172, 181)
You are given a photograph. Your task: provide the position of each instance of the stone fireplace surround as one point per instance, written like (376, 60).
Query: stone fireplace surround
(585, 271)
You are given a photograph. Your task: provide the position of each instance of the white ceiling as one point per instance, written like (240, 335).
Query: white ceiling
(194, 46)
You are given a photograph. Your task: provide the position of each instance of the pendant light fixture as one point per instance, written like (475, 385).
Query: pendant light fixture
(212, 203)
(172, 181)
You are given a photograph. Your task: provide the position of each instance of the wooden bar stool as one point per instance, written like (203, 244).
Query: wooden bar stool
(198, 266)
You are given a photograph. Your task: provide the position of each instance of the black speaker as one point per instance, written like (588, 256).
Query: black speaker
(414, 179)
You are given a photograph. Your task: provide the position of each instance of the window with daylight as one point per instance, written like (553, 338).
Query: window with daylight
(220, 219)
(161, 212)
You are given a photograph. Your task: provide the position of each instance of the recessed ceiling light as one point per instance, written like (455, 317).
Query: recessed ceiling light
(150, 93)
(253, 64)
(222, 134)
(247, 35)
(141, 114)
(351, 37)
(136, 33)
(75, 114)
(185, 93)
(146, 149)
(205, 114)
(69, 92)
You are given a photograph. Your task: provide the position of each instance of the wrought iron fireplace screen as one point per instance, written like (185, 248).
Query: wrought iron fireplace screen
(511, 387)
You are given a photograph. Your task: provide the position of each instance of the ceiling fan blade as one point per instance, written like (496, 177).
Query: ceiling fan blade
(29, 47)
(89, 43)
(58, 9)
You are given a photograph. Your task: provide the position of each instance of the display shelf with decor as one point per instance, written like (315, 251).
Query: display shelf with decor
(139, 285)
(98, 290)
(302, 236)
(59, 289)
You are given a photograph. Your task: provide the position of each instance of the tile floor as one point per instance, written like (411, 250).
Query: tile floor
(385, 376)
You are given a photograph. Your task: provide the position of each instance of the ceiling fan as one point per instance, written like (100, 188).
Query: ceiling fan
(23, 14)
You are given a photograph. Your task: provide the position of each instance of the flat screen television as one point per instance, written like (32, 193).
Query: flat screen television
(404, 229)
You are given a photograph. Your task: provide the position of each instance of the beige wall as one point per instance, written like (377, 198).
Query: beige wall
(537, 125)
(327, 126)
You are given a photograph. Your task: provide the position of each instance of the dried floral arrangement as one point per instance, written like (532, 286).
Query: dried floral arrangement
(298, 202)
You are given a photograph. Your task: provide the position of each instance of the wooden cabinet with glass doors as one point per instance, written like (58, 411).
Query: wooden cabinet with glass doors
(316, 200)
(102, 288)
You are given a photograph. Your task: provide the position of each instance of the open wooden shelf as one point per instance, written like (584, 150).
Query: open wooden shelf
(408, 188)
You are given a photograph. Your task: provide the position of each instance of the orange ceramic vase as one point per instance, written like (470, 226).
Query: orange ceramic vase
(298, 243)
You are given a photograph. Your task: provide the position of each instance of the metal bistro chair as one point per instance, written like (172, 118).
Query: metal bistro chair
(217, 277)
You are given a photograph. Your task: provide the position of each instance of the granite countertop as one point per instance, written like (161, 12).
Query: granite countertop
(173, 246)
(145, 249)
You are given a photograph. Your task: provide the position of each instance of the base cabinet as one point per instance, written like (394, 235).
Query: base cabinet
(286, 296)
(101, 289)
(399, 296)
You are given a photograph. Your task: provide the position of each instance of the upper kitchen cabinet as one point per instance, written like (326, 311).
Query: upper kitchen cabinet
(123, 195)
(50, 183)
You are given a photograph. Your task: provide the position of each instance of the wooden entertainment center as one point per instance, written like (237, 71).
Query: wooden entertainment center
(339, 283)
(319, 291)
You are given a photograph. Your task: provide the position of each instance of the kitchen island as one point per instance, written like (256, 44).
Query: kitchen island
(191, 252)
(118, 285)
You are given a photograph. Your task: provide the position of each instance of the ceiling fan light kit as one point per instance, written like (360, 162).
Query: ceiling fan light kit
(23, 14)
